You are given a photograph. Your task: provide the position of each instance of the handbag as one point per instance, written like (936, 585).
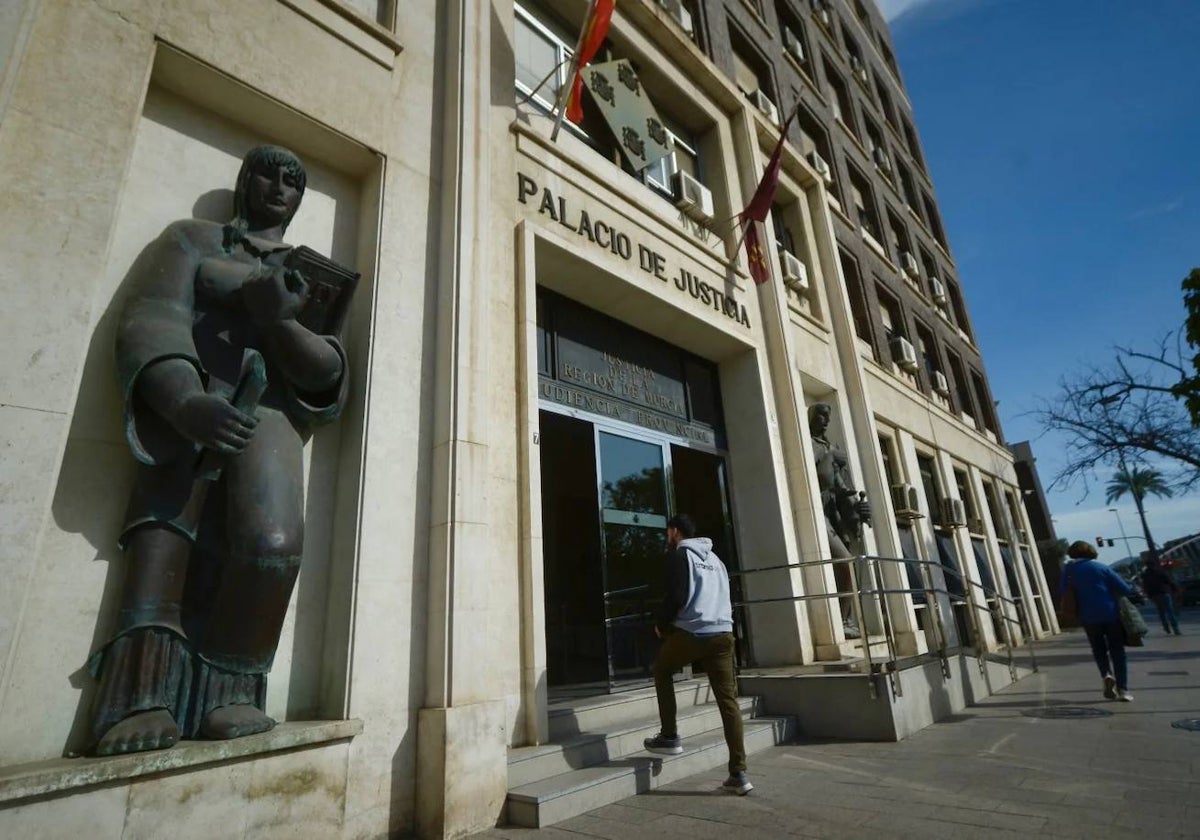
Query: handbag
(1132, 623)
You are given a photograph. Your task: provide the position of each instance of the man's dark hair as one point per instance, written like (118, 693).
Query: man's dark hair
(683, 523)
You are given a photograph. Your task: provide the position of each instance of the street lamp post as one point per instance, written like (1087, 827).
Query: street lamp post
(1128, 550)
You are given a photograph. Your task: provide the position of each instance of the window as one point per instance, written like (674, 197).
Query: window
(927, 350)
(929, 481)
(683, 158)
(960, 311)
(987, 413)
(783, 233)
(927, 262)
(540, 52)
(861, 12)
(891, 466)
(889, 314)
(377, 11)
(910, 137)
(876, 147)
(750, 72)
(795, 44)
(885, 100)
(908, 188)
(839, 97)
(861, 199)
(814, 138)
(958, 382)
(854, 290)
(934, 220)
(858, 67)
(683, 12)
(898, 236)
(889, 58)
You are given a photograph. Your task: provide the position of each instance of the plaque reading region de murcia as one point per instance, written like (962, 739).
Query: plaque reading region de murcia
(629, 112)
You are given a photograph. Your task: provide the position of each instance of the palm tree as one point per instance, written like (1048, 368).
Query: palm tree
(1139, 483)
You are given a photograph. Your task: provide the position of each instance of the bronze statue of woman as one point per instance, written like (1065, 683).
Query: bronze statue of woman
(222, 385)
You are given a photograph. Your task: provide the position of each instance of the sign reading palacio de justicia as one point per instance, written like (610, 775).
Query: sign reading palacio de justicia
(604, 235)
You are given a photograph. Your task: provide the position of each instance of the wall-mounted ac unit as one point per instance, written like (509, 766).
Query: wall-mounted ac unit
(763, 103)
(795, 273)
(791, 43)
(903, 353)
(679, 14)
(858, 69)
(880, 156)
(909, 263)
(823, 12)
(937, 291)
(692, 197)
(821, 167)
(954, 513)
(906, 502)
(975, 525)
(1023, 536)
(940, 384)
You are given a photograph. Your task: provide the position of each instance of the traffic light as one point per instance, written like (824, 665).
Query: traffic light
(1100, 542)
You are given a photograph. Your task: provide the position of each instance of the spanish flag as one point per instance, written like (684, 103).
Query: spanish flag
(595, 30)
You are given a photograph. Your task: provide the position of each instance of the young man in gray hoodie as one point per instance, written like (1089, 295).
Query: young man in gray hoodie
(695, 623)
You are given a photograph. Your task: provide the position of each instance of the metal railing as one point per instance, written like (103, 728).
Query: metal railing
(877, 592)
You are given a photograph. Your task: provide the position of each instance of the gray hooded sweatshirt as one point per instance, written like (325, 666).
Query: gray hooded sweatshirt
(697, 597)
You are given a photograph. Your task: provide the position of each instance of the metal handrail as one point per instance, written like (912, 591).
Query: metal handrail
(877, 589)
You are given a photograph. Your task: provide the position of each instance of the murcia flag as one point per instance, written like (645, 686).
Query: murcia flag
(760, 205)
(595, 30)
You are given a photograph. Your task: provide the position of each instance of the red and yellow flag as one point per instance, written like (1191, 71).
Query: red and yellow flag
(760, 205)
(755, 256)
(595, 30)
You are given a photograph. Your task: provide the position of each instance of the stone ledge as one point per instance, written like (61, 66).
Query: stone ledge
(42, 778)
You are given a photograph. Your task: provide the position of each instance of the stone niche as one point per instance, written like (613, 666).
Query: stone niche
(195, 126)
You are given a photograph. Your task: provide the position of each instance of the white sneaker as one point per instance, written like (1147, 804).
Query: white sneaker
(1124, 696)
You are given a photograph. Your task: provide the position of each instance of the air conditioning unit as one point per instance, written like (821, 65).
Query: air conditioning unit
(763, 103)
(905, 501)
(795, 273)
(791, 43)
(1023, 536)
(823, 11)
(940, 384)
(680, 15)
(879, 155)
(858, 69)
(954, 513)
(909, 263)
(937, 291)
(692, 197)
(821, 167)
(975, 525)
(903, 353)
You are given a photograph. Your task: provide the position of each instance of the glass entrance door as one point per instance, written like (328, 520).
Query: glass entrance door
(633, 517)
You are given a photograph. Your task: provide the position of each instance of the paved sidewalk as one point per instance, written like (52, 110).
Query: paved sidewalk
(999, 769)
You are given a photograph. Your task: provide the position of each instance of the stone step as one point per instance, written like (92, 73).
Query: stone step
(571, 717)
(532, 764)
(567, 795)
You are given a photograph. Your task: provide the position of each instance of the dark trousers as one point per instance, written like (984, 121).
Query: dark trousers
(1165, 604)
(1108, 642)
(715, 653)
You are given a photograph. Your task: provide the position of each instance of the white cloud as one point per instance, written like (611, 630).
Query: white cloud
(892, 9)
(1157, 209)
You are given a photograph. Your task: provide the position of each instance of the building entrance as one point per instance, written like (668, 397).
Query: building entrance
(607, 493)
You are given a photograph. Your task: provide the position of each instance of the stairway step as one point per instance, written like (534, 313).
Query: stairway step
(571, 717)
(532, 764)
(569, 794)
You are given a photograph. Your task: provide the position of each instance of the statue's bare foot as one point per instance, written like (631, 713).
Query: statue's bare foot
(234, 722)
(153, 730)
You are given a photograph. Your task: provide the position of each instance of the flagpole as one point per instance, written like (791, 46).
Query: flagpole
(565, 93)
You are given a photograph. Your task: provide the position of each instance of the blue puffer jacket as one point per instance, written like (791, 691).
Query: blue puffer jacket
(1097, 589)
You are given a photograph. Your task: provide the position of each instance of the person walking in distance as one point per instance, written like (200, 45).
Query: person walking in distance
(1161, 588)
(1097, 588)
(695, 623)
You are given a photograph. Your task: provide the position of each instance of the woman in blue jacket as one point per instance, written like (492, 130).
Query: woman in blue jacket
(1097, 588)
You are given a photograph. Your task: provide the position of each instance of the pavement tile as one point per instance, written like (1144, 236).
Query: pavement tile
(991, 772)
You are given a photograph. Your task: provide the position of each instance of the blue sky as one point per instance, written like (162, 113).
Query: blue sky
(1063, 138)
